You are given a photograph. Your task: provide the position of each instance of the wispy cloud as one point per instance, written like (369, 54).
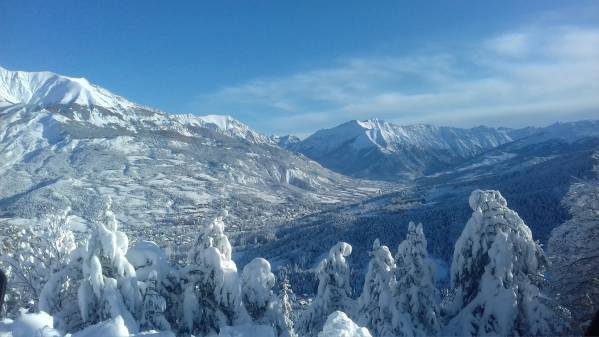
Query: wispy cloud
(529, 76)
(513, 44)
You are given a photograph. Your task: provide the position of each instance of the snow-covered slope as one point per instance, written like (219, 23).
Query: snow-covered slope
(46, 88)
(67, 143)
(573, 248)
(381, 150)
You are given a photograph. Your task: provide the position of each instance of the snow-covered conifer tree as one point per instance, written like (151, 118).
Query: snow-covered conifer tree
(147, 258)
(256, 286)
(106, 286)
(154, 305)
(333, 293)
(285, 298)
(497, 276)
(59, 295)
(258, 298)
(109, 288)
(339, 325)
(375, 301)
(212, 290)
(415, 297)
(30, 255)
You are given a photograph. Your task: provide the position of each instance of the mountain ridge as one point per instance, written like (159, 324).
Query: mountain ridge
(368, 149)
(376, 149)
(47, 89)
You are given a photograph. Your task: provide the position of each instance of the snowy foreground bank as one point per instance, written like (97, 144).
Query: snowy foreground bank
(41, 325)
(104, 288)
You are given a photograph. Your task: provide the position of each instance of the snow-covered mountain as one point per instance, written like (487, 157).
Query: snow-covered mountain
(67, 143)
(376, 149)
(46, 89)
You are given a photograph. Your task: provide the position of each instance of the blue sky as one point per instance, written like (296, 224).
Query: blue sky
(297, 66)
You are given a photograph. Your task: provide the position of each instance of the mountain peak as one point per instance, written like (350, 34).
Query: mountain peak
(224, 122)
(47, 88)
(371, 123)
(286, 141)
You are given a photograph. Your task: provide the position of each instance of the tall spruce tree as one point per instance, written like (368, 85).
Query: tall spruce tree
(154, 305)
(375, 301)
(211, 290)
(334, 290)
(415, 297)
(497, 275)
(98, 284)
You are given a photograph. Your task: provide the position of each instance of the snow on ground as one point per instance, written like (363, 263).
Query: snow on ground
(29, 325)
(41, 325)
(339, 325)
(489, 161)
(247, 330)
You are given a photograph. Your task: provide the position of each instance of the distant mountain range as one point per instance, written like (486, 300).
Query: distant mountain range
(375, 149)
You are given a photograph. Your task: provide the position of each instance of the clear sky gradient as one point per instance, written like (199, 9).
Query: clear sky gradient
(297, 66)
